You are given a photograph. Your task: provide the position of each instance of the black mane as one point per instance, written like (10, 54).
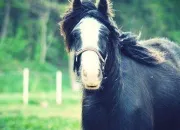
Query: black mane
(127, 42)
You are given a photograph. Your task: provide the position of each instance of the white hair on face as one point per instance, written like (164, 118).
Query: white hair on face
(90, 63)
(90, 30)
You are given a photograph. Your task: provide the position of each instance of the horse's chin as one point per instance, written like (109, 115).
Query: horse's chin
(91, 87)
(91, 83)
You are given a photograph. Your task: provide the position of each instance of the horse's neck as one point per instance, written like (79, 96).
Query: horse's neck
(112, 83)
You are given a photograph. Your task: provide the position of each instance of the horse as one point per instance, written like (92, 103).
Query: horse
(128, 84)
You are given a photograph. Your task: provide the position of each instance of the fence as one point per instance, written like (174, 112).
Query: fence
(26, 86)
(23, 81)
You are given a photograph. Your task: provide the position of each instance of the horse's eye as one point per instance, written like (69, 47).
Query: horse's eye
(75, 34)
(75, 40)
(103, 46)
(73, 37)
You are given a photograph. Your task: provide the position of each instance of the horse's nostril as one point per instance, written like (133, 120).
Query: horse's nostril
(84, 73)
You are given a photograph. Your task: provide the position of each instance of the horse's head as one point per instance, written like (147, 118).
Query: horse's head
(86, 29)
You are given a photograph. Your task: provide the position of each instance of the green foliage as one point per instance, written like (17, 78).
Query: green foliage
(21, 4)
(22, 41)
(2, 3)
(174, 35)
(14, 46)
(151, 18)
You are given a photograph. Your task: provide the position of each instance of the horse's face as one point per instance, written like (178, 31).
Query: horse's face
(88, 41)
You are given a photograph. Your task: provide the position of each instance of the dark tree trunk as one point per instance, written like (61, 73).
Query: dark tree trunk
(43, 21)
(5, 22)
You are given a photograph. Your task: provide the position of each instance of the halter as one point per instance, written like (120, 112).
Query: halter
(77, 53)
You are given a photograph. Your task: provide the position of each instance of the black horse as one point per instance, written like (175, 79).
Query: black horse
(128, 84)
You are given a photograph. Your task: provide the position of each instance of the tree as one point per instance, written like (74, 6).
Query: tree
(5, 21)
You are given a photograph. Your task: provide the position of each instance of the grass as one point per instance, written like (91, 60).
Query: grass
(42, 113)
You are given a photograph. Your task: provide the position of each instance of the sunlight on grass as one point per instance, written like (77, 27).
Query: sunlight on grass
(42, 113)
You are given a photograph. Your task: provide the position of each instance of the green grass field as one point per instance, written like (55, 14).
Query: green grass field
(42, 113)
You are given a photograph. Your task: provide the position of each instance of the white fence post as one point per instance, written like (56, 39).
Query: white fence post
(59, 87)
(25, 86)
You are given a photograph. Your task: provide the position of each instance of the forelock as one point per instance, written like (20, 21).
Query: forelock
(73, 17)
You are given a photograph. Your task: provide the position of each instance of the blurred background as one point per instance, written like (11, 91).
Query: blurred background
(30, 38)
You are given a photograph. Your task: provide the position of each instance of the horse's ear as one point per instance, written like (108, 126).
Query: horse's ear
(76, 4)
(104, 7)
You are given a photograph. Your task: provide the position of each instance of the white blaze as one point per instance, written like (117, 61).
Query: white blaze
(90, 63)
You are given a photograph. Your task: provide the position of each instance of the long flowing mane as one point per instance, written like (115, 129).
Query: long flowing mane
(126, 42)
